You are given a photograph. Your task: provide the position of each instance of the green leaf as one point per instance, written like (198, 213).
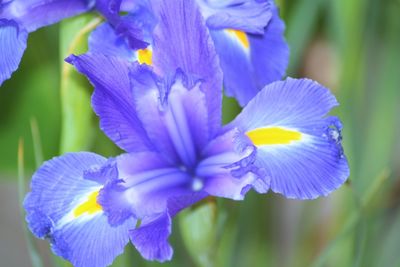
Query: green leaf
(34, 255)
(230, 108)
(388, 251)
(37, 143)
(198, 227)
(77, 115)
(348, 229)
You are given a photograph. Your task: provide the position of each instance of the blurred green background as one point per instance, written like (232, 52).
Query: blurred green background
(352, 47)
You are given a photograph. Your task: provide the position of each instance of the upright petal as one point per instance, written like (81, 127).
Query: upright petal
(180, 21)
(245, 15)
(173, 114)
(297, 145)
(12, 47)
(63, 208)
(113, 100)
(251, 61)
(34, 14)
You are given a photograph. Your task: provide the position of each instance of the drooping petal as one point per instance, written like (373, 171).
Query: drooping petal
(151, 238)
(34, 14)
(245, 15)
(62, 207)
(173, 114)
(181, 41)
(249, 61)
(12, 47)
(112, 100)
(297, 145)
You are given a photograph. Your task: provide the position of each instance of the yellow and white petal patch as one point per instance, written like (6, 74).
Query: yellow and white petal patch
(90, 206)
(145, 56)
(240, 37)
(273, 136)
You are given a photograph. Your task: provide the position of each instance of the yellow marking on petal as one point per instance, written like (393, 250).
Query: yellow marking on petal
(90, 206)
(241, 36)
(273, 136)
(145, 56)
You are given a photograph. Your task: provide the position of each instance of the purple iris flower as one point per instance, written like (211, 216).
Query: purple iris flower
(18, 18)
(167, 117)
(247, 34)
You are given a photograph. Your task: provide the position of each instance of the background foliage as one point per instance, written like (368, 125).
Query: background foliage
(351, 47)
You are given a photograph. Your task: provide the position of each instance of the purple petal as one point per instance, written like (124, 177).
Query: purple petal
(110, 9)
(112, 100)
(102, 174)
(227, 170)
(310, 162)
(12, 47)
(246, 15)
(151, 238)
(104, 40)
(54, 211)
(91, 243)
(270, 53)
(124, 25)
(107, 40)
(148, 95)
(29, 14)
(146, 182)
(181, 21)
(174, 115)
(250, 62)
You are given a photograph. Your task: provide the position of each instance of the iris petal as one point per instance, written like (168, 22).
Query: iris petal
(249, 61)
(151, 238)
(113, 101)
(104, 40)
(12, 46)
(181, 21)
(245, 15)
(226, 170)
(173, 114)
(145, 183)
(61, 207)
(312, 162)
(123, 25)
(29, 13)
